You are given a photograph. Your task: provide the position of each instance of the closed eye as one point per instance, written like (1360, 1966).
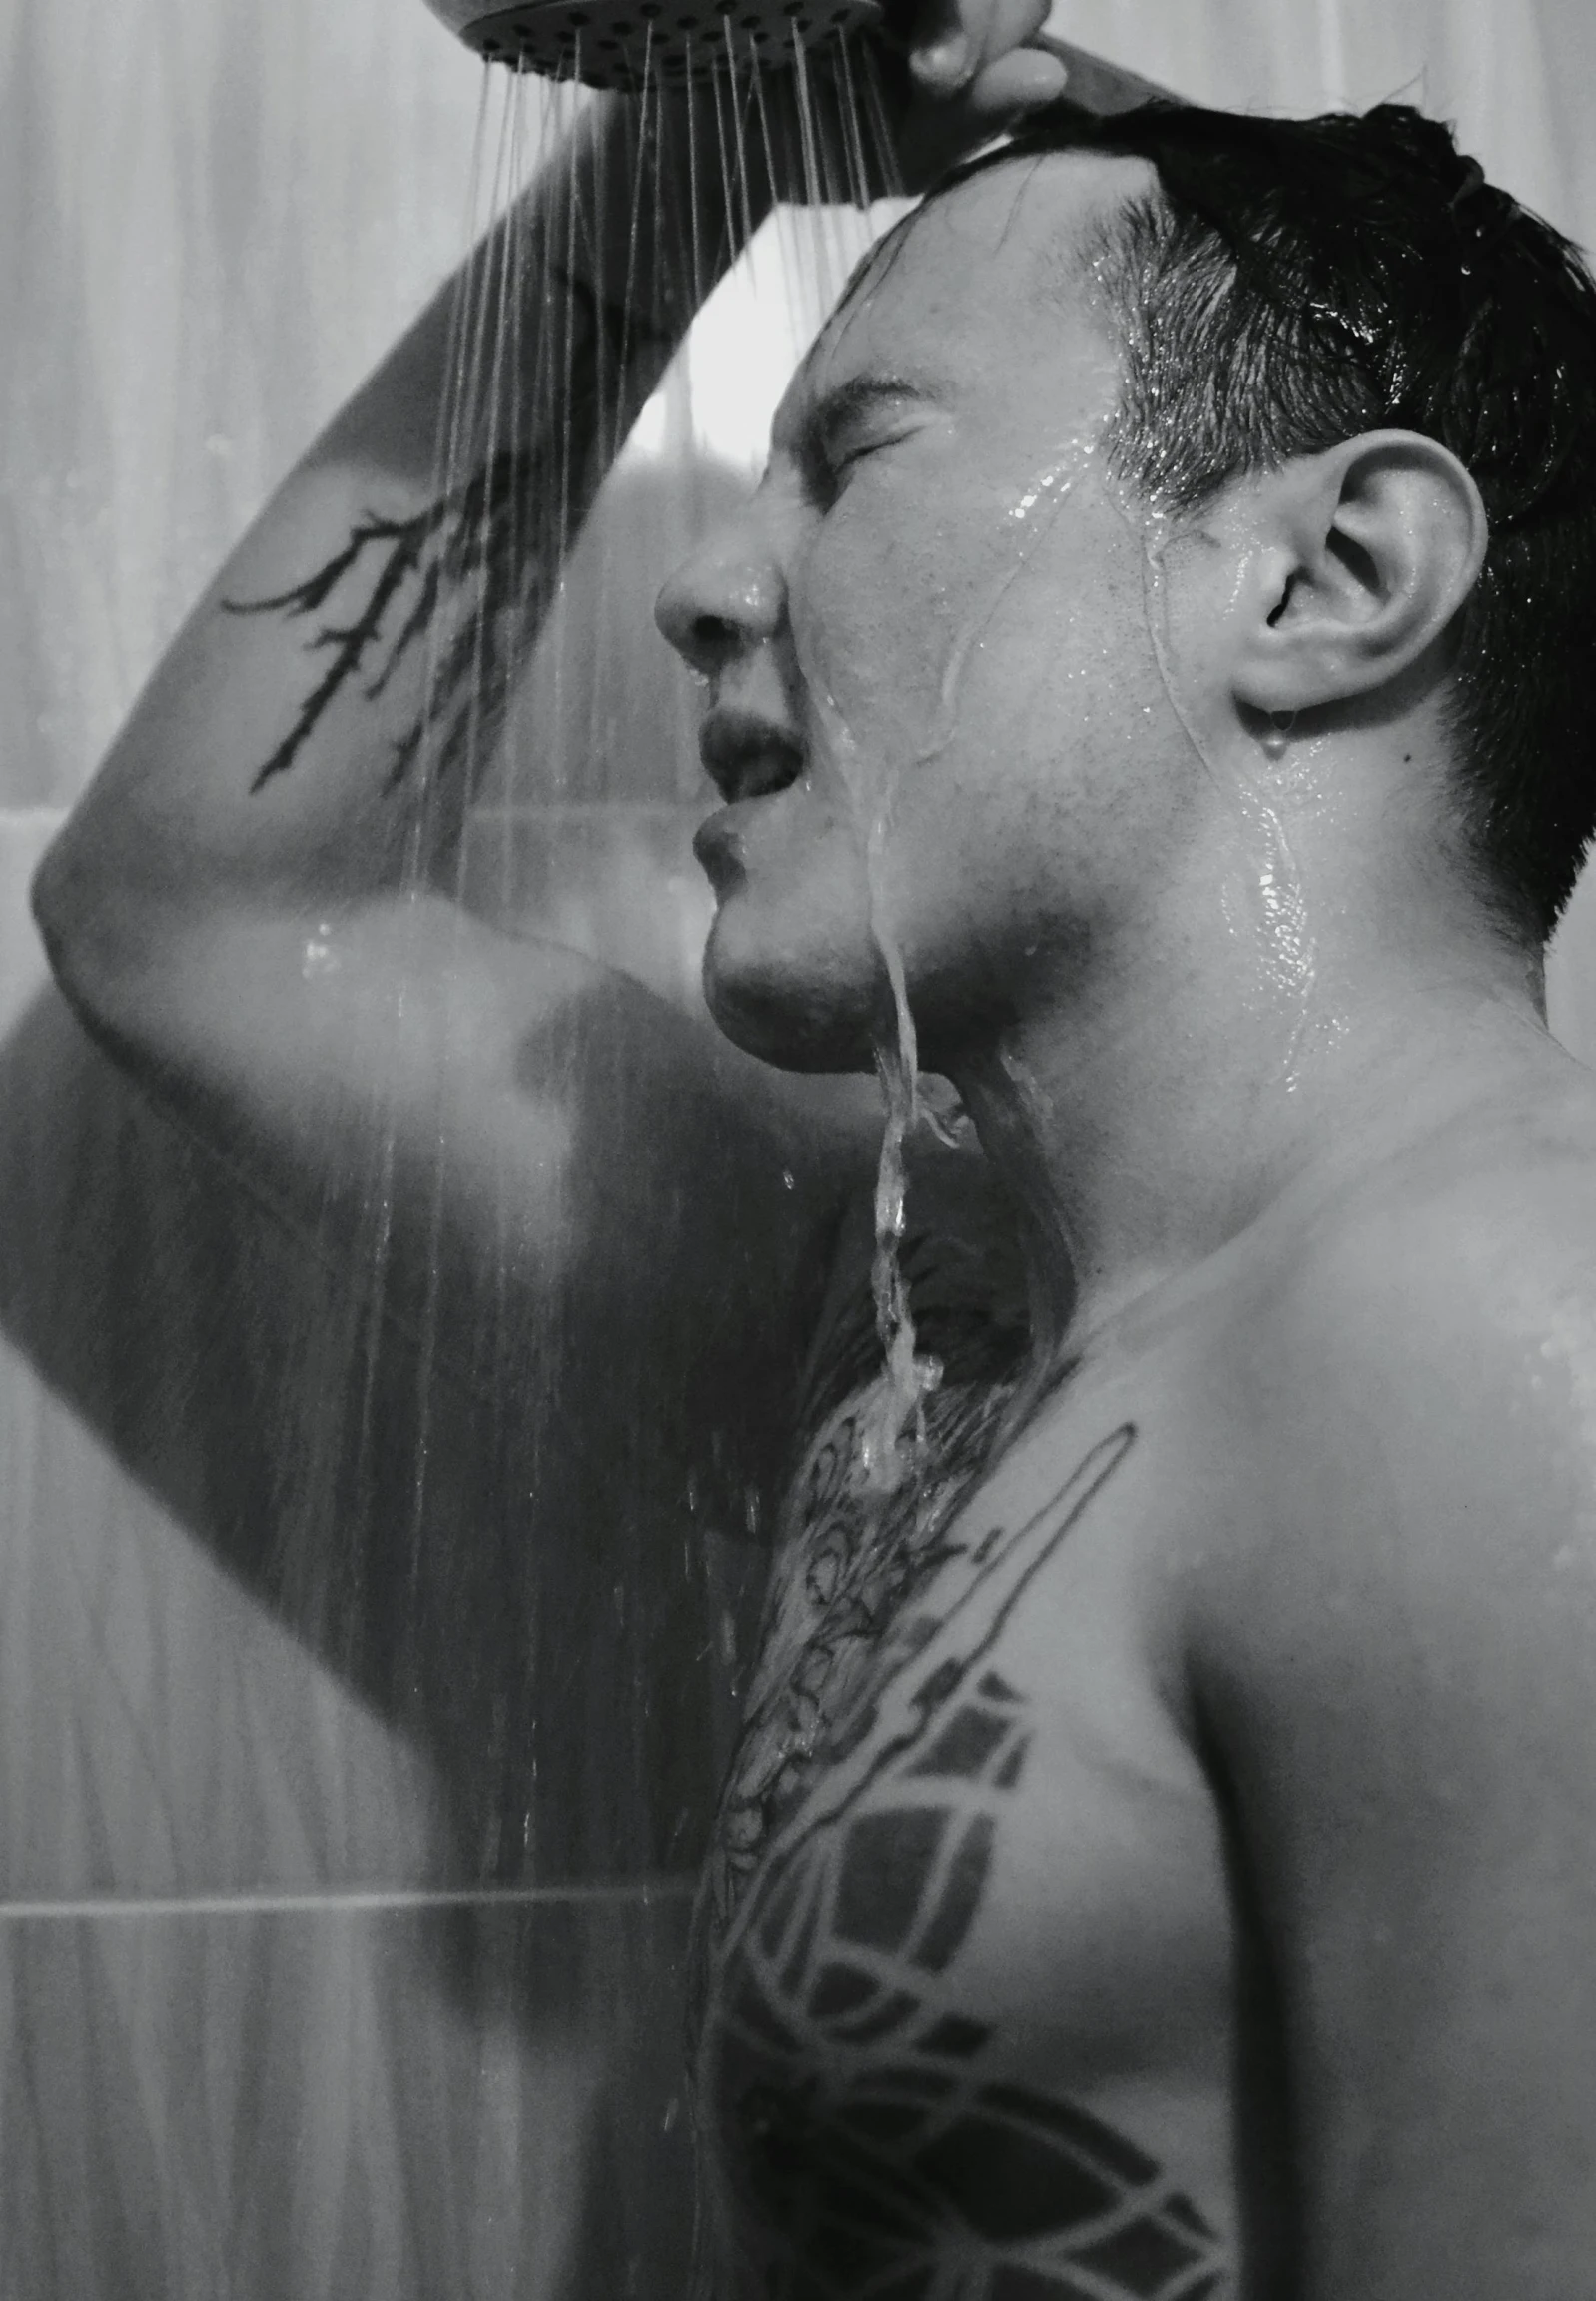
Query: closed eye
(858, 419)
(835, 463)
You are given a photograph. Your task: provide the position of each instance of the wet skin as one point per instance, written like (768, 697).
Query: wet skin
(883, 626)
(1070, 1887)
(1157, 1872)
(935, 1979)
(970, 2011)
(1172, 1862)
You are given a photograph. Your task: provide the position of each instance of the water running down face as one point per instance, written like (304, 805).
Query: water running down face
(928, 645)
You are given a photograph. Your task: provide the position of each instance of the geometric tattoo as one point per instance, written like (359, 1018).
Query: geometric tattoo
(471, 575)
(864, 2146)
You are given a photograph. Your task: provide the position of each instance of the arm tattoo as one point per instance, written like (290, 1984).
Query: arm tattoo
(471, 577)
(843, 2078)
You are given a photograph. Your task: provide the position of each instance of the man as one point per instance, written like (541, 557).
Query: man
(1162, 1855)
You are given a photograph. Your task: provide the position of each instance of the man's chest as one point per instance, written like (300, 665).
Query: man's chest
(967, 1876)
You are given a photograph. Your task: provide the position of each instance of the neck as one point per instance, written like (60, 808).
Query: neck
(1142, 1126)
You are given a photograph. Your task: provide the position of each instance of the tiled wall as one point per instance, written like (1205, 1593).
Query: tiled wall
(343, 2101)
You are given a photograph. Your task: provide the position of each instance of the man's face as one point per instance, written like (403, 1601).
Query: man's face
(927, 640)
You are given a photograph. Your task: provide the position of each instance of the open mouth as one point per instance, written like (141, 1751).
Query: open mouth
(748, 756)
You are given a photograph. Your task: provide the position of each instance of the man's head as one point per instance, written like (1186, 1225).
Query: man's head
(1314, 360)
(1290, 285)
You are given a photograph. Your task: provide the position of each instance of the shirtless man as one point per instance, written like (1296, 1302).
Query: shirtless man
(1161, 1861)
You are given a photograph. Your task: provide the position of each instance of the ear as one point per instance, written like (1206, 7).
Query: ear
(1356, 562)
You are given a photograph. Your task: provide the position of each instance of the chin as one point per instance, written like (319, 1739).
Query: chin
(799, 1007)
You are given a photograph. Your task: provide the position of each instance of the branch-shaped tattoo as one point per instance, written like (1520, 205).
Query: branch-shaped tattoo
(471, 532)
(486, 557)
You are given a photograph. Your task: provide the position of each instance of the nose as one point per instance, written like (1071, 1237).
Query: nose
(726, 599)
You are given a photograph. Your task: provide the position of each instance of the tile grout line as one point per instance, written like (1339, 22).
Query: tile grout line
(346, 1899)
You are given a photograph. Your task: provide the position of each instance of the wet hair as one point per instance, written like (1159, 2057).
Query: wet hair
(1292, 283)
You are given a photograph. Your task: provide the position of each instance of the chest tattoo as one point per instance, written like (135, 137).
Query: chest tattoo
(852, 1566)
(866, 2150)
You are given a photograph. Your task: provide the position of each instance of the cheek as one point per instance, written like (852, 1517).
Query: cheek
(873, 606)
(983, 873)
(1011, 838)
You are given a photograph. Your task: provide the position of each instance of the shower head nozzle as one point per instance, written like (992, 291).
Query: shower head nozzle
(627, 43)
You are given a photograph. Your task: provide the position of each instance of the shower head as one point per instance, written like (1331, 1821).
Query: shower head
(626, 43)
(622, 43)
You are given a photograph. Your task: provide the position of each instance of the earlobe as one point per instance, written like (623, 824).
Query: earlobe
(1360, 560)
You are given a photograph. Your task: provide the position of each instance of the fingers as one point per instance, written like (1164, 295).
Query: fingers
(1009, 24)
(954, 41)
(943, 53)
(963, 71)
(1018, 82)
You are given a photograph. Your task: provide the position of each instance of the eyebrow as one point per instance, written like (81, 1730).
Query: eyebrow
(854, 396)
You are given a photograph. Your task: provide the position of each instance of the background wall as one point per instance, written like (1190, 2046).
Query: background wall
(309, 1984)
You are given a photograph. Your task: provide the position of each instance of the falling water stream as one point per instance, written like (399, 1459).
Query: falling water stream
(843, 157)
(893, 1429)
(1272, 908)
(504, 385)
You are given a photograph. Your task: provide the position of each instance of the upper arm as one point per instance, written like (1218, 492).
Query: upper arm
(1396, 1660)
(534, 1148)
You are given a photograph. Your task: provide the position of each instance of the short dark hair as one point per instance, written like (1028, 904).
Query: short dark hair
(1295, 283)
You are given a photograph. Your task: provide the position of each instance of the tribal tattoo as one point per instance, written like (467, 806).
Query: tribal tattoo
(467, 582)
(847, 2089)
(856, 1560)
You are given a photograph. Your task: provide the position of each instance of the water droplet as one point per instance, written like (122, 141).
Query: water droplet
(319, 958)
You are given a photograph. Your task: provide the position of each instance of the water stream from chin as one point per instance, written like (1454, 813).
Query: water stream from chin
(893, 1429)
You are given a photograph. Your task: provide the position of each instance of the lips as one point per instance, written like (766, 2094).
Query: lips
(719, 846)
(747, 756)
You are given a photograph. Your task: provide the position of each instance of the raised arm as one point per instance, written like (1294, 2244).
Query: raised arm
(251, 907)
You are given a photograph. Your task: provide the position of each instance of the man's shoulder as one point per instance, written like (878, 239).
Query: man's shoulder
(1472, 1245)
(1414, 1381)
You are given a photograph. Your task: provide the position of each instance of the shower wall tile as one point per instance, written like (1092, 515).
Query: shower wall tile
(345, 2105)
(216, 218)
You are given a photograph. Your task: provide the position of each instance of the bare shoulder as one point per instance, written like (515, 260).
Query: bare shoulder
(1461, 1272)
(1391, 1654)
(1413, 1388)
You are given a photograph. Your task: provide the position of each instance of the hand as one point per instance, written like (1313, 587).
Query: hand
(970, 72)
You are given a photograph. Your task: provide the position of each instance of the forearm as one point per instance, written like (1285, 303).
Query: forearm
(316, 730)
